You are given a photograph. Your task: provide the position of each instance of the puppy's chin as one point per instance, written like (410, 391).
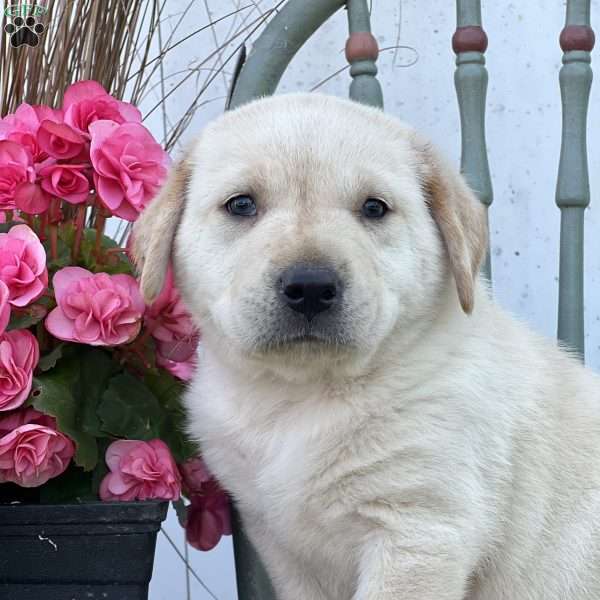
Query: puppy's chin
(304, 348)
(304, 359)
(294, 358)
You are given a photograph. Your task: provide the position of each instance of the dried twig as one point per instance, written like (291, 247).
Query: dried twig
(122, 44)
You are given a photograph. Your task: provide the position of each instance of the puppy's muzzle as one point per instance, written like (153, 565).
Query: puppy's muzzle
(309, 289)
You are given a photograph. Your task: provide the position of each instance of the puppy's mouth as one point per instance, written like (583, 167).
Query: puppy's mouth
(307, 338)
(306, 341)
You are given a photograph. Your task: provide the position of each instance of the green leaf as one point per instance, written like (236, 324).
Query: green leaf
(96, 367)
(113, 263)
(30, 316)
(74, 485)
(53, 395)
(6, 227)
(130, 410)
(66, 233)
(48, 361)
(169, 390)
(101, 468)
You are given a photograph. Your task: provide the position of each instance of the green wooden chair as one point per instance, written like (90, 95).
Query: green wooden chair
(299, 19)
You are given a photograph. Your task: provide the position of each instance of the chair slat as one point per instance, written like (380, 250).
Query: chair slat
(361, 52)
(572, 188)
(470, 43)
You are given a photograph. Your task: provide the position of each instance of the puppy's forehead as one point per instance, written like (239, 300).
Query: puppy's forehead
(313, 130)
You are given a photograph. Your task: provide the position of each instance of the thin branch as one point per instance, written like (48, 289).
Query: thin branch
(346, 67)
(188, 567)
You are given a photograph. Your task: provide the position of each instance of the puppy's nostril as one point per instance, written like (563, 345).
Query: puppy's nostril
(328, 295)
(294, 291)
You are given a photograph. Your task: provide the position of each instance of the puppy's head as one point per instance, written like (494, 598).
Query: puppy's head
(304, 229)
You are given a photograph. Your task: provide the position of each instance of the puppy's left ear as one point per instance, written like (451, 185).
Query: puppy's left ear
(154, 231)
(461, 219)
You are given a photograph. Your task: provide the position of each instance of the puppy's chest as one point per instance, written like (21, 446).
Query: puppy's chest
(281, 472)
(286, 476)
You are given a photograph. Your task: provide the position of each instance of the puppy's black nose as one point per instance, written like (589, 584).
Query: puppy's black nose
(309, 289)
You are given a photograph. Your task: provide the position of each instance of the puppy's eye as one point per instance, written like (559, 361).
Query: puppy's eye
(241, 206)
(374, 208)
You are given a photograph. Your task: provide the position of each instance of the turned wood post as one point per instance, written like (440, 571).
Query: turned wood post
(572, 188)
(362, 52)
(470, 78)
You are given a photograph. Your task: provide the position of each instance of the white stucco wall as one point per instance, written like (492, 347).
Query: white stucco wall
(523, 134)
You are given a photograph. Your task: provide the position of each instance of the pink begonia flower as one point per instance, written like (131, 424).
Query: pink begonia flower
(17, 173)
(208, 519)
(32, 199)
(172, 327)
(4, 306)
(208, 515)
(45, 113)
(182, 370)
(140, 471)
(23, 265)
(86, 102)
(32, 451)
(59, 140)
(19, 355)
(96, 309)
(194, 474)
(180, 350)
(66, 181)
(129, 166)
(167, 317)
(22, 127)
(24, 119)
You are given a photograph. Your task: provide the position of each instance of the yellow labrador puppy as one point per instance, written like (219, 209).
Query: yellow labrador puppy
(387, 431)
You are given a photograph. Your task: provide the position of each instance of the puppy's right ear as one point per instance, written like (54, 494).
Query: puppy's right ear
(154, 231)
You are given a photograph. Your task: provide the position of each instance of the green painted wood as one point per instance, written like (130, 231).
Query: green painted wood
(572, 189)
(277, 45)
(364, 87)
(471, 81)
(252, 580)
(578, 12)
(468, 12)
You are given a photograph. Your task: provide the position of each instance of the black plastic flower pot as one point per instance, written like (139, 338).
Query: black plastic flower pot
(92, 551)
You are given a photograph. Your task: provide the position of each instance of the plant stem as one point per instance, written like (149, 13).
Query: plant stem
(79, 225)
(43, 226)
(99, 226)
(53, 241)
(53, 227)
(137, 352)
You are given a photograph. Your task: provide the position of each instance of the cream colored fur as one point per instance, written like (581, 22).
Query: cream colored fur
(429, 454)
